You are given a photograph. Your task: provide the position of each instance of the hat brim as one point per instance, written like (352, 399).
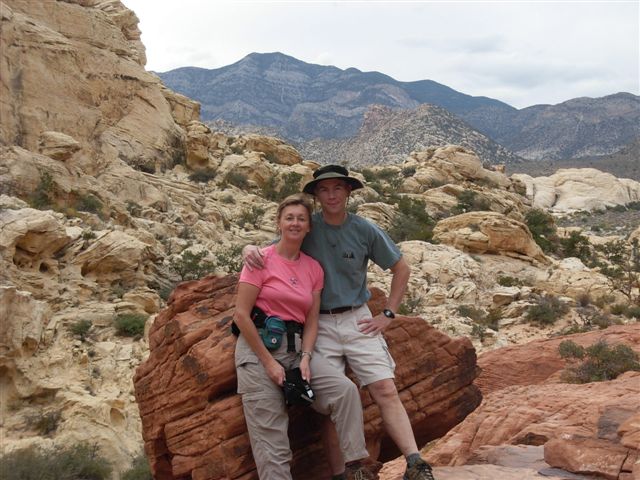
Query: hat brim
(310, 187)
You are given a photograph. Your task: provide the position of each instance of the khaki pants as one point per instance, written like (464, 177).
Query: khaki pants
(267, 418)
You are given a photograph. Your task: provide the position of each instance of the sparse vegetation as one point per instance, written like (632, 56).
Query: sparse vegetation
(237, 179)
(470, 201)
(622, 267)
(482, 320)
(229, 259)
(42, 196)
(81, 328)
(542, 228)
(251, 216)
(507, 281)
(412, 222)
(577, 245)
(88, 203)
(290, 184)
(203, 176)
(79, 462)
(547, 311)
(191, 265)
(130, 324)
(45, 423)
(598, 362)
(139, 470)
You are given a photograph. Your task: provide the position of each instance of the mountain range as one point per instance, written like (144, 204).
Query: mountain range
(302, 102)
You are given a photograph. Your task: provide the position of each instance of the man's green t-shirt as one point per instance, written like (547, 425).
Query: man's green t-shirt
(344, 252)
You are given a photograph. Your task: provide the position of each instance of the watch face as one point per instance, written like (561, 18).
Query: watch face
(388, 313)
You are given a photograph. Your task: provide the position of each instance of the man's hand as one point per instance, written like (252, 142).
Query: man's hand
(252, 257)
(374, 325)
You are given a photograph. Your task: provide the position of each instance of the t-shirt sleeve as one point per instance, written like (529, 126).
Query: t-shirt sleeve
(318, 276)
(254, 278)
(384, 252)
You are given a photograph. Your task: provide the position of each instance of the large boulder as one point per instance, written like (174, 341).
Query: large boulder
(192, 418)
(489, 232)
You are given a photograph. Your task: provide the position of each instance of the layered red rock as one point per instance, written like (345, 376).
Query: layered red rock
(192, 418)
(588, 429)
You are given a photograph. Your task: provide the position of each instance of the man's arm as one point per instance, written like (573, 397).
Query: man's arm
(252, 257)
(401, 272)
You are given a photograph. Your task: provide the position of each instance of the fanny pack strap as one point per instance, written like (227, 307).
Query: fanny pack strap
(258, 316)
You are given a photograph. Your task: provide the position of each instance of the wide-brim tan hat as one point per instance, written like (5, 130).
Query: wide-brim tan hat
(331, 171)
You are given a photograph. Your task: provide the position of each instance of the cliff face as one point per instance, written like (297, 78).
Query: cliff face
(77, 68)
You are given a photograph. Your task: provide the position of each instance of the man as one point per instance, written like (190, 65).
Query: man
(344, 243)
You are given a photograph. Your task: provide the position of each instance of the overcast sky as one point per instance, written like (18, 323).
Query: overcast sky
(523, 53)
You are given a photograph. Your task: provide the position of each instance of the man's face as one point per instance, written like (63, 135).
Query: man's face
(332, 195)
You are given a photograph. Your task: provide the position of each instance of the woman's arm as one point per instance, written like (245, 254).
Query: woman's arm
(310, 335)
(247, 295)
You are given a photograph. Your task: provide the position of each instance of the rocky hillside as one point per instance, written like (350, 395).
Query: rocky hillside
(388, 136)
(113, 192)
(302, 101)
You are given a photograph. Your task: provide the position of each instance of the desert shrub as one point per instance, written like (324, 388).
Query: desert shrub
(622, 267)
(88, 235)
(410, 172)
(412, 222)
(618, 309)
(598, 362)
(475, 314)
(583, 299)
(237, 179)
(542, 228)
(88, 203)
(41, 198)
(469, 201)
(508, 281)
(634, 206)
(133, 208)
(44, 422)
(547, 311)
(185, 233)
(604, 300)
(577, 245)
(229, 258)
(203, 176)
(633, 312)
(81, 328)
(228, 199)
(191, 266)
(139, 470)
(130, 324)
(79, 462)
(410, 305)
(603, 320)
(290, 185)
(251, 216)
(482, 320)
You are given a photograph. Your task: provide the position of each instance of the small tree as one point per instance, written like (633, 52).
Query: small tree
(622, 268)
(598, 362)
(547, 311)
(191, 266)
(543, 229)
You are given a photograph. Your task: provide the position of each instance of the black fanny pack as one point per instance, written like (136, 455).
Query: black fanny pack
(272, 329)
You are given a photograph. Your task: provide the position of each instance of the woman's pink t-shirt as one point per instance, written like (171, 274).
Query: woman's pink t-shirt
(286, 286)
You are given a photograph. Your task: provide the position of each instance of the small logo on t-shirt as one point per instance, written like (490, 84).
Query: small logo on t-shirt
(348, 255)
(293, 281)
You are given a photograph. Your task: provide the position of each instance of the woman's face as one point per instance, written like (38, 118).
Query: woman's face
(294, 222)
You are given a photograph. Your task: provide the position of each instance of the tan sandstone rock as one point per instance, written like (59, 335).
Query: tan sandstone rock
(489, 232)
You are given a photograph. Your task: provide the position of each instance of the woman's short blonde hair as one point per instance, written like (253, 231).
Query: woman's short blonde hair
(295, 199)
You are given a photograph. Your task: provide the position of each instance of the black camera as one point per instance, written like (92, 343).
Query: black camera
(297, 390)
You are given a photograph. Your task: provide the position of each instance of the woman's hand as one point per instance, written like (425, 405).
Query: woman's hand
(275, 371)
(305, 367)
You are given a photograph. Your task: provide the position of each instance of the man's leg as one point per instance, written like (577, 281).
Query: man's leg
(394, 416)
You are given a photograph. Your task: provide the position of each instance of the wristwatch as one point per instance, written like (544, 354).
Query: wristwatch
(388, 313)
(302, 354)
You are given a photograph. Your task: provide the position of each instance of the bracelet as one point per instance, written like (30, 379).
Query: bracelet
(302, 354)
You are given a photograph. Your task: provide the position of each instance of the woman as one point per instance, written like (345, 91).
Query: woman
(289, 287)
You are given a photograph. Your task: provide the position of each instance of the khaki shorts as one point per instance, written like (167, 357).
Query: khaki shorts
(341, 342)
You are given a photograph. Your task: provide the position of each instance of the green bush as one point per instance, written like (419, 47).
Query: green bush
(130, 324)
(229, 258)
(79, 462)
(408, 171)
(599, 362)
(482, 319)
(543, 229)
(191, 266)
(88, 203)
(251, 216)
(577, 245)
(633, 312)
(203, 176)
(81, 328)
(547, 311)
(237, 179)
(139, 470)
(412, 222)
(618, 309)
(44, 422)
(290, 185)
(41, 198)
(469, 201)
(508, 281)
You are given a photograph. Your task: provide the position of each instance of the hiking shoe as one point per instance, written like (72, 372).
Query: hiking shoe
(360, 472)
(420, 470)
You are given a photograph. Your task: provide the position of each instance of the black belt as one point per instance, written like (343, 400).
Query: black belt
(333, 311)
